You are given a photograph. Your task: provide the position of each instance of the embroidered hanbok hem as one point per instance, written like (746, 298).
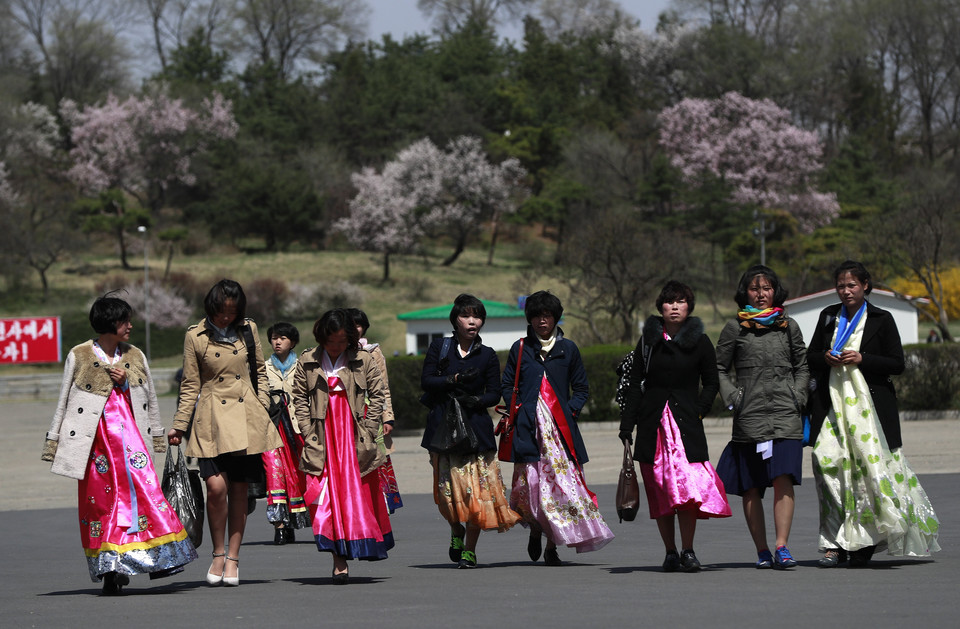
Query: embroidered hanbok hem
(126, 524)
(349, 513)
(285, 482)
(672, 483)
(869, 495)
(388, 486)
(552, 493)
(469, 488)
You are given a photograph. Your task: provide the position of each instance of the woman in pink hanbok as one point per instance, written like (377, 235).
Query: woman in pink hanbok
(672, 386)
(338, 396)
(106, 416)
(549, 489)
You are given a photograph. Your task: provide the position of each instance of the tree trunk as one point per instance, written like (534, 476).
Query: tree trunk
(461, 245)
(493, 238)
(386, 266)
(166, 270)
(123, 249)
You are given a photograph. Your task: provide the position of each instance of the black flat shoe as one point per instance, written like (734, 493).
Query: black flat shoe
(288, 536)
(671, 563)
(861, 558)
(113, 584)
(551, 558)
(279, 537)
(689, 561)
(340, 578)
(832, 558)
(534, 545)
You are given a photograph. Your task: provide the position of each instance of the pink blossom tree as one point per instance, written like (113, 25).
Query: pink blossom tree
(427, 192)
(141, 146)
(752, 148)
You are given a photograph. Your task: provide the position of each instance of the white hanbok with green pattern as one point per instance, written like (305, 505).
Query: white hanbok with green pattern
(868, 494)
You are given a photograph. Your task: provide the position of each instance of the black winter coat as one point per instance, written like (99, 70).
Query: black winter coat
(882, 354)
(434, 382)
(564, 369)
(677, 369)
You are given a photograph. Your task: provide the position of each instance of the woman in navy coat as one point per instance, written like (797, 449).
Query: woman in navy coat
(468, 487)
(549, 489)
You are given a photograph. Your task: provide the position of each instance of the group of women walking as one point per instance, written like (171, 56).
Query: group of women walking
(869, 497)
(315, 431)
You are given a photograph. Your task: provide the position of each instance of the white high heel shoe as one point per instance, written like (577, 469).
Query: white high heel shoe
(216, 579)
(232, 581)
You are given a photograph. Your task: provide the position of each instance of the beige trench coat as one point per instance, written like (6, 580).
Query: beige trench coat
(362, 381)
(230, 417)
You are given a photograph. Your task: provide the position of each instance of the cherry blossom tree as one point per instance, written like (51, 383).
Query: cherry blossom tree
(754, 149)
(142, 145)
(427, 192)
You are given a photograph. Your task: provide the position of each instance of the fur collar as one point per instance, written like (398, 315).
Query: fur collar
(687, 338)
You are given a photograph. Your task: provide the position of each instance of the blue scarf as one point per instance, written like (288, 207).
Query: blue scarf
(285, 365)
(846, 327)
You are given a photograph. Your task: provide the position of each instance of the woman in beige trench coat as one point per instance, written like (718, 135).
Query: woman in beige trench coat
(224, 418)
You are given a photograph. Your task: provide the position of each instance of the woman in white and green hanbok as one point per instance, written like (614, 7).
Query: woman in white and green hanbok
(870, 499)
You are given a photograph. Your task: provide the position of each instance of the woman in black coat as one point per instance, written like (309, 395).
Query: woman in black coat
(549, 489)
(467, 485)
(869, 496)
(666, 403)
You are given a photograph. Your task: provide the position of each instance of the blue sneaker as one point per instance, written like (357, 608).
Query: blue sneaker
(782, 558)
(764, 560)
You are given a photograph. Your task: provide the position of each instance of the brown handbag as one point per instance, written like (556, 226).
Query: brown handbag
(628, 489)
(508, 415)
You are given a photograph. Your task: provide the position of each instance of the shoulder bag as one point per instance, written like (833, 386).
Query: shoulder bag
(508, 415)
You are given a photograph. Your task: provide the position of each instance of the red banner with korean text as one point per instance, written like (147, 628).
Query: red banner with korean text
(30, 340)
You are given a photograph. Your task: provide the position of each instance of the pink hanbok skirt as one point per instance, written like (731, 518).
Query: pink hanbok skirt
(349, 513)
(126, 524)
(674, 484)
(285, 482)
(553, 493)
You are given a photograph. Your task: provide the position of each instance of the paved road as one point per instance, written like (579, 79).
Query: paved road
(45, 582)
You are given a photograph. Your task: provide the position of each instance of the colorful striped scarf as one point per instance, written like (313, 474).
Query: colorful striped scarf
(768, 317)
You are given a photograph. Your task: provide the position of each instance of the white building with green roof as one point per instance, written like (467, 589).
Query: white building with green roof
(505, 324)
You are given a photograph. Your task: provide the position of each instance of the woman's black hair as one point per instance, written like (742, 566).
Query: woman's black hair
(333, 321)
(857, 270)
(107, 313)
(540, 302)
(359, 317)
(466, 304)
(282, 328)
(779, 292)
(222, 292)
(674, 291)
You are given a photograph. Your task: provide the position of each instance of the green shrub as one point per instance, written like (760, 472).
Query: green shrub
(601, 362)
(404, 375)
(931, 381)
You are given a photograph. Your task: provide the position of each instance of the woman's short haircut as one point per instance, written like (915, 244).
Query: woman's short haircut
(107, 313)
(282, 328)
(359, 317)
(543, 302)
(779, 292)
(858, 271)
(675, 291)
(333, 321)
(222, 292)
(466, 304)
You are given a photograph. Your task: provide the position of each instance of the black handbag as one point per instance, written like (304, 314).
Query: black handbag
(184, 492)
(628, 488)
(454, 435)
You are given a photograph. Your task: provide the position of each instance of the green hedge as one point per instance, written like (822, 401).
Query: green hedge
(931, 381)
(600, 361)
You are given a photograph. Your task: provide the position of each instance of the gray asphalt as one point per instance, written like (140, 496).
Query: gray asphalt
(45, 583)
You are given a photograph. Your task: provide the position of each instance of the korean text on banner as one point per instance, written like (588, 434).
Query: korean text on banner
(30, 340)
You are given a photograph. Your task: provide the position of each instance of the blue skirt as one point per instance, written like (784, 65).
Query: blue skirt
(741, 468)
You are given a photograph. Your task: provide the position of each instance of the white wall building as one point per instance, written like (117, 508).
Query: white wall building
(504, 324)
(806, 310)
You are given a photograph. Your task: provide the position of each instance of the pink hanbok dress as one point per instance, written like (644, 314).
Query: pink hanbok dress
(672, 483)
(553, 491)
(349, 513)
(126, 524)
